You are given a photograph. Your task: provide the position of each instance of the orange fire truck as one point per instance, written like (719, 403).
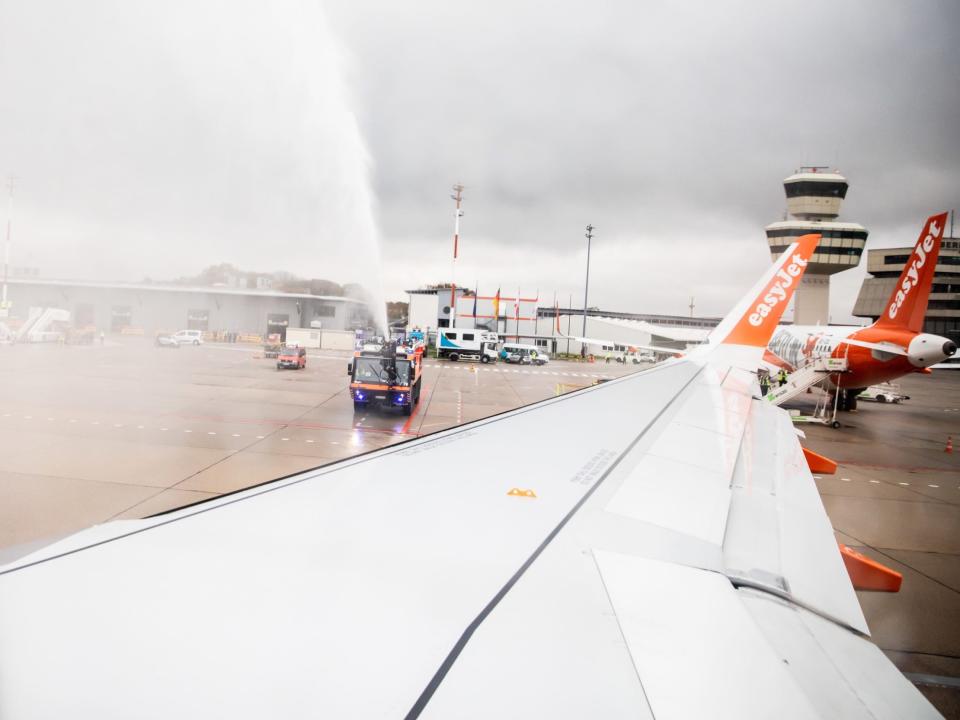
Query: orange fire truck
(388, 376)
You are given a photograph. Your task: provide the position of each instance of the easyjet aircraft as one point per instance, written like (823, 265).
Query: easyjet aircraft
(656, 548)
(890, 348)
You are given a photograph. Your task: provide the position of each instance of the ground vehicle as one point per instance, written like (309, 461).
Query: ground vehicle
(523, 354)
(167, 340)
(382, 377)
(417, 338)
(271, 348)
(292, 357)
(884, 392)
(467, 344)
(189, 337)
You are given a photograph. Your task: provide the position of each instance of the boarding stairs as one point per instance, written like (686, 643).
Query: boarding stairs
(811, 374)
(40, 325)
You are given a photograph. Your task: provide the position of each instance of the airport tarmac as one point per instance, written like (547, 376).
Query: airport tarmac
(896, 498)
(91, 434)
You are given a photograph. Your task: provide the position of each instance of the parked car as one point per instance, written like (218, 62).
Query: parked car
(167, 340)
(189, 337)
(523, 354)
(292, 357)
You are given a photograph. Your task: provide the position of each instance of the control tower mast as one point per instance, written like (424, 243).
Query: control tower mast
(814, 195)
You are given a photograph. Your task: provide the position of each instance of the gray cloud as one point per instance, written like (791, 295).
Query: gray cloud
(200, 129)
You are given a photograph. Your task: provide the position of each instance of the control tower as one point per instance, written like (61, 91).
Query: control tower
(814, 195)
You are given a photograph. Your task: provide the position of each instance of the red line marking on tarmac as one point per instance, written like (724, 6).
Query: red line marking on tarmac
(405, 430)
(286, 423)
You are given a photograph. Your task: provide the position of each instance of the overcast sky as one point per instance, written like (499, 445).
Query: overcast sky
(151, 139)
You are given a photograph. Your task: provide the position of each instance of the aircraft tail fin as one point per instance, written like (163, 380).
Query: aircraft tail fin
(907, 304)
(754, 319)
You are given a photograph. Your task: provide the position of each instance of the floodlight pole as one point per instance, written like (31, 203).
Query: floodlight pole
(458, 197)
(586, 288)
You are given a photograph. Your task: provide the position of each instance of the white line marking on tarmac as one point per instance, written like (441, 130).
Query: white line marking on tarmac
(845, 479)
(118, 425)
(236, 435)
(284, 438)
(817, 477)
(211, 433)
(163, 429)
(310, 441)
(933, 486)
(875, 482)
(259, 437)
(334, 442)
(903, 483)
(188, 431)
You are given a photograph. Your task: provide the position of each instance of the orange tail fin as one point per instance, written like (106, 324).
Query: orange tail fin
(754, 319)
(907, 305)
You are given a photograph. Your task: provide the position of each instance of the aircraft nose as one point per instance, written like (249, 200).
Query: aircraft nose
(949, 348)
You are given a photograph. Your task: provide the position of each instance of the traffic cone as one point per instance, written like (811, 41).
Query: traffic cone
(949, 447)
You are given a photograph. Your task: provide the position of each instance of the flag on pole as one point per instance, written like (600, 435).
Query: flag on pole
(496, 306)
(516, 312)
(475, 293)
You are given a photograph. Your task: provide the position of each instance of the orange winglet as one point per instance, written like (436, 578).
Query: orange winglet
(818, 463)
(867, 574)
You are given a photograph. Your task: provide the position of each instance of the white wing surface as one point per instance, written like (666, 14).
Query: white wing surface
(661, 552)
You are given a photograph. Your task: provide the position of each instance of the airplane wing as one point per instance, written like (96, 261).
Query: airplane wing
(639, 346)
(660, 550)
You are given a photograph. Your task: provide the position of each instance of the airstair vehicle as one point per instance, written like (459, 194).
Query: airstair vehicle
(811, 374)
(799, 381)
(41, 326)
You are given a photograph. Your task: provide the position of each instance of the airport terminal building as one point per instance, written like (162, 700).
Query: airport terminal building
(148, 308)
(521, 319)
(885, 266)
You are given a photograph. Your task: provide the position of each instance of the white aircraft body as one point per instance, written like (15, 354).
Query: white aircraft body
(655, 547)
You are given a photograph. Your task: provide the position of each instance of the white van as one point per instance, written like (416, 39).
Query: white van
(188, 337)
(523, 354)
(467, 344)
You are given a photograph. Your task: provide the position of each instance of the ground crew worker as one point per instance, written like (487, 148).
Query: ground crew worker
(764, 384)
(782, 377)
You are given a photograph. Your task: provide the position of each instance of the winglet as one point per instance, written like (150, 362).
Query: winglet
(753, 321)
(867, 574)
(907, 305)
(819, 463)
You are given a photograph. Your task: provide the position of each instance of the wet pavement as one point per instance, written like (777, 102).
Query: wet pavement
(90, 434)
(896, 499)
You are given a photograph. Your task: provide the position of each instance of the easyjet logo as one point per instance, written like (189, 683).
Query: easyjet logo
(776, 292)
(912, 279)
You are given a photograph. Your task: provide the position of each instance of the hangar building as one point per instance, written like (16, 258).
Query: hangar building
(113, 307)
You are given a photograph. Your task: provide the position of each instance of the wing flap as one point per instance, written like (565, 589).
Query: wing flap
(681, 625)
